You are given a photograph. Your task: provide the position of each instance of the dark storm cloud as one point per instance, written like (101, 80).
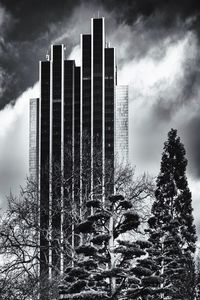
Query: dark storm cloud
(34, 24)
(169, 10)
(25, 40)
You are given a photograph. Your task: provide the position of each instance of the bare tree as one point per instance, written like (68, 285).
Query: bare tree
(20, 228)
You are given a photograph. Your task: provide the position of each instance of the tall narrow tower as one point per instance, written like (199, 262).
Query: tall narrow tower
(82, 119)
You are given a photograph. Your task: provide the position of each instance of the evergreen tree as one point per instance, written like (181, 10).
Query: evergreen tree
(169, 268)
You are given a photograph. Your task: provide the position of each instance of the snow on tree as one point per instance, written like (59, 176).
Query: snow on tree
(168, 271)
(103, 263)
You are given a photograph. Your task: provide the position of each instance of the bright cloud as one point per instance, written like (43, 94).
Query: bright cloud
(156, 84)
(14, 143)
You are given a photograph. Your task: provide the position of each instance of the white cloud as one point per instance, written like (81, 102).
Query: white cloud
(155, 83)
(14, 143)
(195, 189)
(76, 55)
(4, 16)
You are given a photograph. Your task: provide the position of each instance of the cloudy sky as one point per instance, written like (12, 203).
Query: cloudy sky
(158, 56)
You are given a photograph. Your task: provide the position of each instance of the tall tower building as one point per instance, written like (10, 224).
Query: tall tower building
(82, 127)
(34, 139)
(121, 124)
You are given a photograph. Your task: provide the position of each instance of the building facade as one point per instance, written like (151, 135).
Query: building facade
(34, 139)
(82, 127)
(121, 124)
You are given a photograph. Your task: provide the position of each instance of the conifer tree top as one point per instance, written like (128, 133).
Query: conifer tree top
(168, 271)
(173, 158)
(173, 202)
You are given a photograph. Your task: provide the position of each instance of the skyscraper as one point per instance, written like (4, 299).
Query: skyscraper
(82, 119)
(34, 139)
(121, 123)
